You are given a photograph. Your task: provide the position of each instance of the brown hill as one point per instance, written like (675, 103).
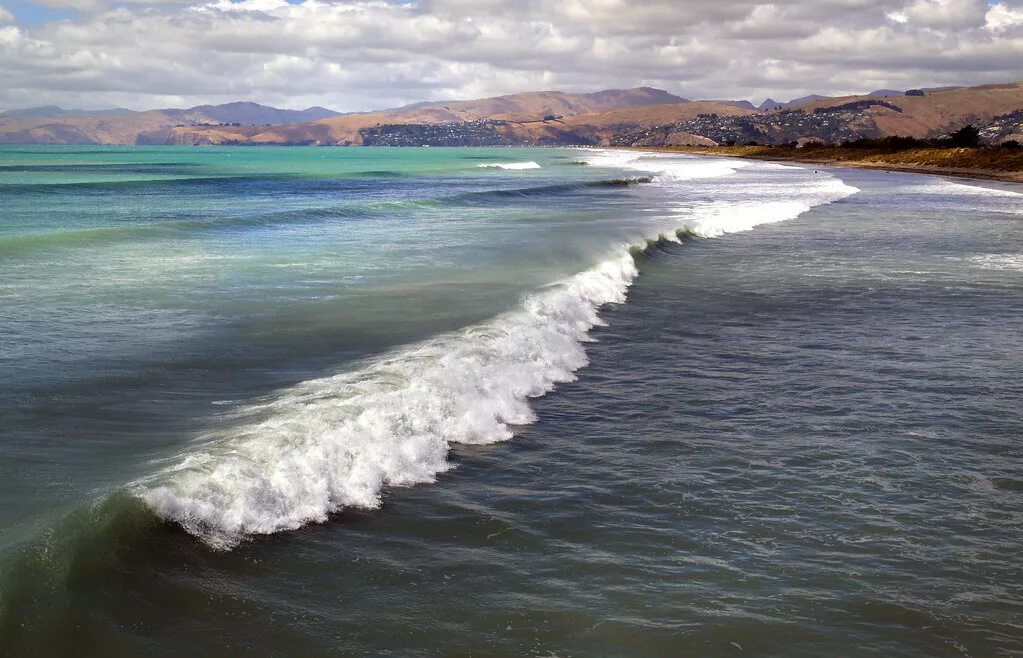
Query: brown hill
(996, 109)
(526, 122)
(605, 124)
(53, 125)
(532, 105)
(936, 112)
(599, 127)
(547, 117)
(517, 108)
(163, 126)
(88, 129)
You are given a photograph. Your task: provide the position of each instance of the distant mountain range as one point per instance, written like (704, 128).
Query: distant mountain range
(642, 114)
(54, 111)
(204, 123)
(248, 113)
(237, 112)
(771, 104)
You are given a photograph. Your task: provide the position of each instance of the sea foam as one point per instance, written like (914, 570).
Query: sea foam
(338, 441)
(509, 165)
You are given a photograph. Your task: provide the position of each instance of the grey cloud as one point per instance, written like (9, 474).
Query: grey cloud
(947, 13)
(364, 54)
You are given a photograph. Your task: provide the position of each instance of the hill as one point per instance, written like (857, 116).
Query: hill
(770, 104)
(515, 109)
(248, 114)
(995, 108)
(582, 129)
(628, 117)
(87, 129)
(55, 125)
(920, 114)
(935, 112)
(54, 111)
(203, 124)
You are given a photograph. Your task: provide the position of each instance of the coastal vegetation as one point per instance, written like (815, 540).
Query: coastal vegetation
(948, 155)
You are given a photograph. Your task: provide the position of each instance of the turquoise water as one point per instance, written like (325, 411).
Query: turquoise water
(643, 429)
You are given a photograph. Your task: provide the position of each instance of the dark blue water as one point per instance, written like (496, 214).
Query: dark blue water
(797, 440)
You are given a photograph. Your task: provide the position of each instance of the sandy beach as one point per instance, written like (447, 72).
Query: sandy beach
(986, 164)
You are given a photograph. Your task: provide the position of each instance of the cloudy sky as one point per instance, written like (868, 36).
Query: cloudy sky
(369, 54)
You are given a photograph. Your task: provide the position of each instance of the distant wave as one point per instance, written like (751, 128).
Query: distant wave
(132, 169)
(964, 190)
(543, 190)
(974, 197)
(13, 245)
(339, 441)
(668, 167)
(103, 187)
(611, 158)
(173, 178)
(509, 165)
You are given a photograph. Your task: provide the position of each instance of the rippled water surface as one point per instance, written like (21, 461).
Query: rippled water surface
(634, 426)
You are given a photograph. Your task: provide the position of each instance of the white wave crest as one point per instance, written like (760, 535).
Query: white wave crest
(963, 189)
(999, 261)
(612, 158)
(717, 219)
(509, 165)
(337, 442)
(668, 166)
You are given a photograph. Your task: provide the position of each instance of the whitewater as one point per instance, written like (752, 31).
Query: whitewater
(339, 441)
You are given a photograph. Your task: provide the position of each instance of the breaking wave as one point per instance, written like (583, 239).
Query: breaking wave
(509, 165)
(339, 441)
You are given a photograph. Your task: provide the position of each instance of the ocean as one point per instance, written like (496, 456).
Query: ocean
(505, 402)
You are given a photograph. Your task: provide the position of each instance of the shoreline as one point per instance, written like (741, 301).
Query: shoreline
(783, 154)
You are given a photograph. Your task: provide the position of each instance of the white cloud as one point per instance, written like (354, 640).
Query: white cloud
(1002, 17)
(946, 13)
(76, 5)
(364, 54)
(6, 16)
(244, 5)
